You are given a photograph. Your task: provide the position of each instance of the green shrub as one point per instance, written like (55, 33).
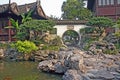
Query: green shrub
(4, 45)
(38, 42)
(51, 47)
(86, 47)
(108, 51)
(56, 41)
(117, 46)
(24, 46)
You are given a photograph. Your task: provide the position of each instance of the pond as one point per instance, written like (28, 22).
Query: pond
(24, 71)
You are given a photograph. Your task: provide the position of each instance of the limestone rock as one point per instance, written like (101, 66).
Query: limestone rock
(1, 53)
(42, 55)
(60, 68)
(75, 61)
(79, 65)
(47, 66)
(72, 75)
(64, 55)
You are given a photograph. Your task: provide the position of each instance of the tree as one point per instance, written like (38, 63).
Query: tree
(100, 23)
(118, 27)
(74, 9)
(15, 24)
(117, 33)
(26, 17)
(36, 26)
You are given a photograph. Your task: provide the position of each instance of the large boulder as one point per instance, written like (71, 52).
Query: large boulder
(100, 47)
(47, 66)
(72, 75)
(79, 65)
(62, 55)
(14, 55)
(100, 75)
(76, 62)
(42, 55)
(60, 67)
(66, 60)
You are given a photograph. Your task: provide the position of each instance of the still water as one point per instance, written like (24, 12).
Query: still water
(24, 71)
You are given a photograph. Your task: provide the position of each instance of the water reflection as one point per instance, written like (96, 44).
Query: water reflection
(1, 65)
(7, 78)
(23, 71)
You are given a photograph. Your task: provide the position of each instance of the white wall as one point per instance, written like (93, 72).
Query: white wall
(62, 28)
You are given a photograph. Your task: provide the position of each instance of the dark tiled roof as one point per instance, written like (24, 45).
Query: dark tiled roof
(25, 8)
(36, 7)
(66, 22)
(3, 7)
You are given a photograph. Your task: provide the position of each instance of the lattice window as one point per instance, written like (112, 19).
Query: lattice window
(106, 2)
(118, 1)
(99, 2)
(112, 2)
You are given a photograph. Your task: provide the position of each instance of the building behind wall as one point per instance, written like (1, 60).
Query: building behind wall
(12, 10)
(106, 8)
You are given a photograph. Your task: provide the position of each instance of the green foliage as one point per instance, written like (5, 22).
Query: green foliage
(88, 41)
(26, 17)
(88, 30)
(100, 22)
(86, 47)
(38, 25)
(15, 24)
(54, 44)
(117, 25)
(71, 33)
(108, 51)
(35, 25)
(4, 45)
(38, 42)
(89, 35)
(24, 46)
(117, 46)
(50, 47)
(117, 34)
(21, 35)
(56, 41)
(74, 9)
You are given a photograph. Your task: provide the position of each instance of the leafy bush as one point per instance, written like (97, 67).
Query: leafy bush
(108, 51)
(4, 45)
(38, 42)
(117, 46)
(56, 41)
(88, 30)
(50, 47)
(100, 22)
(24, 46)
